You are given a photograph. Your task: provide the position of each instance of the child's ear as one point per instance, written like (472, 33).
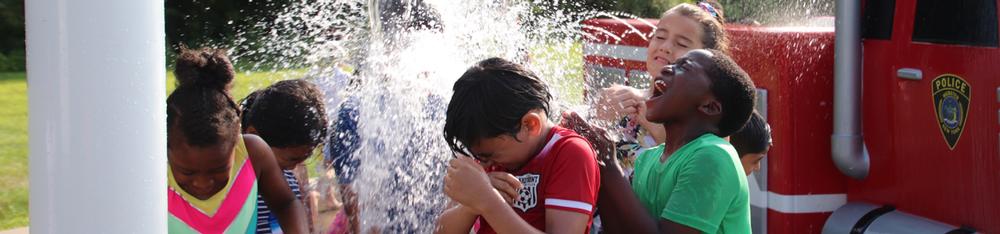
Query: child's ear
(532, 123)
(710, 107)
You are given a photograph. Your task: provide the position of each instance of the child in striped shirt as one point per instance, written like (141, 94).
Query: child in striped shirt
(290, 115)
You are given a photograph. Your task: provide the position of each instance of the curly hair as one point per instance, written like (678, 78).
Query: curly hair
(201, 108)
(287, 113)
(734, 90)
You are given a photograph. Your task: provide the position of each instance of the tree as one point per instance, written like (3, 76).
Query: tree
(12, 38)
(647, 8)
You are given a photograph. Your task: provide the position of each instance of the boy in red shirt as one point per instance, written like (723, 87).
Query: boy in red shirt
(542, 178)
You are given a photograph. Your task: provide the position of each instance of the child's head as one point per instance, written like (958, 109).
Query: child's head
(683, 28)
(704, 85)
(290, 116)
(497, 113)
(202, 122)
(752, 142)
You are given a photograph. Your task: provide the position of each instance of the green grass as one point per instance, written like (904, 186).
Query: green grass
(564, 74)
(13, 150)
(14, 137)
(562, 68)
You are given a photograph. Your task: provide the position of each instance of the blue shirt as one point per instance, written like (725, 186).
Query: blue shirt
(342, 152)
(344, 141)
(266, 223)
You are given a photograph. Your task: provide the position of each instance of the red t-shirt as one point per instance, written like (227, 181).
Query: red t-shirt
(562, 176)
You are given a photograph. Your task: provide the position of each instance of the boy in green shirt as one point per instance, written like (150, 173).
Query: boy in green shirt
(694, 183)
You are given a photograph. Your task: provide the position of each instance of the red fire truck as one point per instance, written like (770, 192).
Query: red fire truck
(922, 75)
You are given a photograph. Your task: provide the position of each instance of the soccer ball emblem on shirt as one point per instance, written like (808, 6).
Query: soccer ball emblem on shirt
(528, 195)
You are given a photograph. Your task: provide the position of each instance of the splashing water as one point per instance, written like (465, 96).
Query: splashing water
(407, 55)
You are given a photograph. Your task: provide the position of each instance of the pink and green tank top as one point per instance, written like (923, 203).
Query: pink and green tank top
(232, 210)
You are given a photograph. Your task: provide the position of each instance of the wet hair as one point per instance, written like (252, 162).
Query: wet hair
(489, 100)
(201, 108)
(713, 34)
(288, 113)
(734, 90)
(755, 137)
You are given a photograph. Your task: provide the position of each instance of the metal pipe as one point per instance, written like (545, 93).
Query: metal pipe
(860, 217)
(96, 106)
(847, 146)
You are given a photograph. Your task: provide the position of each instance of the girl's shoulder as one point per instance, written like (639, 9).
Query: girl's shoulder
(258, 152)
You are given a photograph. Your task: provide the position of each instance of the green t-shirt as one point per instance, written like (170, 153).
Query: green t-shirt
(702, 186)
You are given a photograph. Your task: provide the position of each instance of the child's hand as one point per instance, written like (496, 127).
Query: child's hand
(468, 184)
(507, 184)
(620, 101)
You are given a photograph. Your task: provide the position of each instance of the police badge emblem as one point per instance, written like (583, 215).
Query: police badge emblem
(528, 195)
(951, 105)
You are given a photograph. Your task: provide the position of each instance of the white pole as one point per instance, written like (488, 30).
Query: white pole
(96, 94)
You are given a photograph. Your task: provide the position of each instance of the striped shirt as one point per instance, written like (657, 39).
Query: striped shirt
(265, 222)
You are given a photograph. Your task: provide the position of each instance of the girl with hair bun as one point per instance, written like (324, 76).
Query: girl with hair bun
(215, 173)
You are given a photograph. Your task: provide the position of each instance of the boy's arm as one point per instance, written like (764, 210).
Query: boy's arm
(469, 185)
(561, 221)
(621, 211)
(616, 201)
(457, 219)
(503, 219)
(573, 180)
(702, 195)
(290, 212)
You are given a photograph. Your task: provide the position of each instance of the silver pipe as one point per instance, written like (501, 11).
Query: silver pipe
(844, 219)
(847, 147)
(375, 20)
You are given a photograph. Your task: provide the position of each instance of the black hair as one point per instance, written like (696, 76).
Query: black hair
(201, 108)
(489, 100)
(755, 137)
(734, 90)
(286, 114)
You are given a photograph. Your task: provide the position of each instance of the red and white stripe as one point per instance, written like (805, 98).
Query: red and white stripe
(571, 205)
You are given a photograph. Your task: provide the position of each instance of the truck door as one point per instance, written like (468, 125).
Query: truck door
(931, 110)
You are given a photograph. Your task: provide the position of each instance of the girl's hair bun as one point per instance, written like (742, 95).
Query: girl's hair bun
(209, 68)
